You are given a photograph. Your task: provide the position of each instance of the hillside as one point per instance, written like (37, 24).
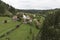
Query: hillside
(5, 8)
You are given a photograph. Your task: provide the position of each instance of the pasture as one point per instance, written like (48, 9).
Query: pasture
(21, 33)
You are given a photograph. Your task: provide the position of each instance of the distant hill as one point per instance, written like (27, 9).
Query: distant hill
(8, 9)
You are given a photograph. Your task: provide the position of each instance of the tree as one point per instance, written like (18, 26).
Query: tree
(2, 8)
(51, 27)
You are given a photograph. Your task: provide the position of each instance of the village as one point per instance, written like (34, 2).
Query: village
(26, 18)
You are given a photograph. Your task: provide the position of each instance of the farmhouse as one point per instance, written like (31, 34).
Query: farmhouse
(27, 18)
(15, 18)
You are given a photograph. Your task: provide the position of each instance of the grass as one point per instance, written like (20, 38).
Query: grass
(21, 33)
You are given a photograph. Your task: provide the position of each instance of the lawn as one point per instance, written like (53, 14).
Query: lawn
(21, 33)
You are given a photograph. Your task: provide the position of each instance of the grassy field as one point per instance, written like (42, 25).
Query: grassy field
(21, 33)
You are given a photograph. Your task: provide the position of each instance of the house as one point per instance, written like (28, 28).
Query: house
(15, 18)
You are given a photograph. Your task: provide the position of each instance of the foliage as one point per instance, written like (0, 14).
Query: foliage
(2, 9)
(51, 27)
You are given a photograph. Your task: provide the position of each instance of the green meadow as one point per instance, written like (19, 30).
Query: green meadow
(21, 33)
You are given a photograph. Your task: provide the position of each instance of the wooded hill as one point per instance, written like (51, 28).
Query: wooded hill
(5, 8)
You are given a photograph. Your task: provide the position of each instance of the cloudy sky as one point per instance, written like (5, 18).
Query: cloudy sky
(34, 4)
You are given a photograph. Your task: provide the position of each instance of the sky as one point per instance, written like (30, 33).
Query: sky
(34, 4)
